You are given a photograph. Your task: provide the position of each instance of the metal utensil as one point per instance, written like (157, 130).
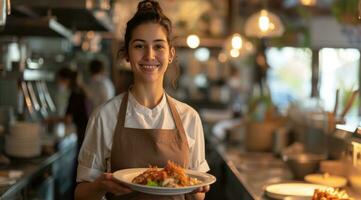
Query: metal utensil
(48, 98)
(28, 102)
(41, 95)
(33, 96)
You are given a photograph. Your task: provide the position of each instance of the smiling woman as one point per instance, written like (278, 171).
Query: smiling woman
(143, 126)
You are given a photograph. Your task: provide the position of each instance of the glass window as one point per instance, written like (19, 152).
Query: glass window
(339, 69)
(289, 76)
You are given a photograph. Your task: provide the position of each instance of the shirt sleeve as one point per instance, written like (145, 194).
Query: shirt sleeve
(91, 159)
(197, 151)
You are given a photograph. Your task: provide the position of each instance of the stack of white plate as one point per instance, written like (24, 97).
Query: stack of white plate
(24, 140)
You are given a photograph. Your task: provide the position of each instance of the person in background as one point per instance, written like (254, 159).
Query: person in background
(76, 110)
(101, 88)
(144, 125)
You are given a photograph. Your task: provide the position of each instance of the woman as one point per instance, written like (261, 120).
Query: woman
(143, 126)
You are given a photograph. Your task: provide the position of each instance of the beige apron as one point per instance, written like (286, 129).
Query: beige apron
(134, 147)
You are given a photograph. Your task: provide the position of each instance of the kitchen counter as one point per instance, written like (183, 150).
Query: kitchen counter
(37, 170)
(254, 171)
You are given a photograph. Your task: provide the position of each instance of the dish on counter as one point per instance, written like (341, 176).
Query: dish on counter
(283, 190)
(326, 179)
(158, 184)
(330, 194)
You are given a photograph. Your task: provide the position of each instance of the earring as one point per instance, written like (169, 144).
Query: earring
(170, 60)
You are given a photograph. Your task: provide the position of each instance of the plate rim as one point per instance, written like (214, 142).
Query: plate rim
(281, 196)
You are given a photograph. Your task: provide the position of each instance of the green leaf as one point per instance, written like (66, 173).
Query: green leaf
(152, 183)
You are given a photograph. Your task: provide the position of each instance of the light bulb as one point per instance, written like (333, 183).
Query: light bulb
(237, 42)
(263, 21)
(193, 41)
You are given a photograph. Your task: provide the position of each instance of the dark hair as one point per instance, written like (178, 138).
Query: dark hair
(67, 74)
(96, 66)
(148, 11)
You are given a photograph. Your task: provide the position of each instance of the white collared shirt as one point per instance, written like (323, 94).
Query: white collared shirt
(94, 155)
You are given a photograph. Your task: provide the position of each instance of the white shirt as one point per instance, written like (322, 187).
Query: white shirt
(102, 89)
(95, 152)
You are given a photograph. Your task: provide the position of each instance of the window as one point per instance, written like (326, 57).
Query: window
(339, 69)
(289, 76)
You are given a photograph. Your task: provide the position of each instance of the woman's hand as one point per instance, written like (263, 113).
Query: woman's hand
(202, 189)
(109, 184)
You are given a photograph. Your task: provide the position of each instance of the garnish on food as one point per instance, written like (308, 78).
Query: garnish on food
(172, 175)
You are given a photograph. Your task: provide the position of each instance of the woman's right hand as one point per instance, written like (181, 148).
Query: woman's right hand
(109, 184)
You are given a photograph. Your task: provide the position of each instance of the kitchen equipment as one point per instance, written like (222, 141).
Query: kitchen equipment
(259, 135)
(27, 98)
(302, 164)
(44, 106)
(33, 97)
(24, 140)
(48, 98)
(280, 140)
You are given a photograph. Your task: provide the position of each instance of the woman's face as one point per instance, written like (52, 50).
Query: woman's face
(149, 53)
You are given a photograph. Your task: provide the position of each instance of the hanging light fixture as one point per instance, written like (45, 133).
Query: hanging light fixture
(308, 2)
(236, 46)
(264, 24)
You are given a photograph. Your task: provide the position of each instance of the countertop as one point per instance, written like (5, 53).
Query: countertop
(31, 167)
(257, 170)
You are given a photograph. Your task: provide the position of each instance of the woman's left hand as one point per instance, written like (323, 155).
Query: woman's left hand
(202, 189)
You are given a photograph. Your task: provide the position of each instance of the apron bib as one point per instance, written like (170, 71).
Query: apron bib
(135, 148)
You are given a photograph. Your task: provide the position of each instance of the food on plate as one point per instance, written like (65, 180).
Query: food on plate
(330, 194)
(172, 175)
(327, 179)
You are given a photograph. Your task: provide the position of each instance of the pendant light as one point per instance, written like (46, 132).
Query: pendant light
(264, 24)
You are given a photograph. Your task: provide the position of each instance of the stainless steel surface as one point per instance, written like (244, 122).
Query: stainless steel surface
(254, 170)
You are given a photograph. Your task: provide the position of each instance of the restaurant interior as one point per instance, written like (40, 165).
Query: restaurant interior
(275, 82)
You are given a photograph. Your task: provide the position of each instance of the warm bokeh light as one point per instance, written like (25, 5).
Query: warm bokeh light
(308, 2)
(237, 42)
(263, 21)
(193, 41)
(234, 53)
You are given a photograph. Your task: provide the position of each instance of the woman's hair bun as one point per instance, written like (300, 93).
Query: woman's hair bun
(149, 6)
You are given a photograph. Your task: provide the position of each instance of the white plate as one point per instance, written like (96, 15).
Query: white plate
(126, 176)
(282, 190)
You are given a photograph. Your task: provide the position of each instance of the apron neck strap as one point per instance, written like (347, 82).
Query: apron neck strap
(176, 117)
(123, 110)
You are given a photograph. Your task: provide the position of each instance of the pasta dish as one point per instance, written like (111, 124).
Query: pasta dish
(330, 194)
(171, 175)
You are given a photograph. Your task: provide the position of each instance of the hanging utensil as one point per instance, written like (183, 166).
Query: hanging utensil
(33, 96)
(48, 98)
(28, 102)
(41, 95)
